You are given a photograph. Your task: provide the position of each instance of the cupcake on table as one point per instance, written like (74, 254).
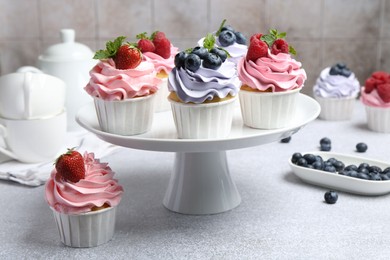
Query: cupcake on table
(123, 87)
(83, 196)
(375, 96)
(336, 90)
(159, 50)
(271, 81)
(204, 87)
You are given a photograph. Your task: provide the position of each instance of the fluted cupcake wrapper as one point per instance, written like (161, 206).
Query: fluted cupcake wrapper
(87, 229)
(336, 109)
(378, 119)
(203, 121)
(126, 117)
(161, 100)
(267, 110)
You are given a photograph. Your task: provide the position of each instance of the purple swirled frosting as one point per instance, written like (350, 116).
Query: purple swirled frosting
(336, 86)
(204, 84)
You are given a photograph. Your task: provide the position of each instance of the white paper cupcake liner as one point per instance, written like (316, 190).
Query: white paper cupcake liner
(125, 117)
(378, 119)
(161, 100)
(203, 121)
(266, 110)
(87, 229)
(336, 109)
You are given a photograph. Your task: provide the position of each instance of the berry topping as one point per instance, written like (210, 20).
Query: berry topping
(220, 52)
(361, 147)
(370, 85)
(202, 52)
(227, 27)
(125, 56)
(384, 92)
(331, 197)
(144, 43)
(240, 38)
(192, 62)
(226, 38)
(162, 44)
(340, 69)
(279, 45)
(256, 36)
(70, 166)
(212, 61)
(180, 58)
(273, 36)
(256, 49)
(378, 78)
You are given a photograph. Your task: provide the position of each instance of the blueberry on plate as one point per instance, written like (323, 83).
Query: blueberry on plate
(361, 147)
(212, 61)
(192, 62)
(221, 53)
(180, 58)
(331, 197)
(240, 38)
(226, 38)
(200, 51)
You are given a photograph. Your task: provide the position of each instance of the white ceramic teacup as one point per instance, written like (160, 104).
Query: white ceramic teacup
(31, 95)
(34, 140)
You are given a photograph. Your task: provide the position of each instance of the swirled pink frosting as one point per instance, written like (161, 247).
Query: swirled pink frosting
(373, 99)
(98, 187)
(161, 64)
(109, 83)
(278, 72)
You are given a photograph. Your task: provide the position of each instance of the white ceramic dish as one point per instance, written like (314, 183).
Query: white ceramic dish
(340, 182)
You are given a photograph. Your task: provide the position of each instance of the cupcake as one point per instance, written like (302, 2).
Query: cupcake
(158, 50)
(123, 87)
(271, 81)
(204, 87)
(83, 195)
(232, 41)
(336, 90)
(375, 96)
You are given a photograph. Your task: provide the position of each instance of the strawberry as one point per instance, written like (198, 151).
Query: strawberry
(279, 45)
(384, 92)
(127, 57)
(145, 44)
(162, 44)
(256, 49)
(70, 166)
(370, 85)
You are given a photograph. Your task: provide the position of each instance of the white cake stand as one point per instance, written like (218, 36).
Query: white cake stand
(201, 181)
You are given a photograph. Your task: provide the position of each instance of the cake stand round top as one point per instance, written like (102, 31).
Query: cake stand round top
(163, 137)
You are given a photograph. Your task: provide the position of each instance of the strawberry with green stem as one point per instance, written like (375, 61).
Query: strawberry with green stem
(70, 166)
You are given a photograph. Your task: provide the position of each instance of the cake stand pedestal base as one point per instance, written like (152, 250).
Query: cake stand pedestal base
(201, 184)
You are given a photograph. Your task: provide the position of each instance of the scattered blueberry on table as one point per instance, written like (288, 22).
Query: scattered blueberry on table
(286, 140)
(331, 197)
(325, 144)
(361, 147)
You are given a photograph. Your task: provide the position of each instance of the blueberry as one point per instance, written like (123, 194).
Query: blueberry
(317, 165)
(325, 147)
(374, 168)
(319, 159)
(221, 53)
(226, 38)
(361, 147)
(302, 162)
(386, 170)
(346, 73)
(240, 38)
(310, 158)
(228, 28)
(180, 58)
(192, 62)
(385, 177)
(331, 197)
(353, 174)
(200, 51)
(325, 140)
(329, 168)
(286, 140)
(332, 160)
(334, 70)
(363, 165)
(363, 170)
(363, 176)
(351, 167)
(212, 61)
(295, 157)
(375, 177)
(339, 165)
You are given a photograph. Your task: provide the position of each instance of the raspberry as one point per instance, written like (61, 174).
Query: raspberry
(381, 75)
(256, 36)
(257, 49)
(370, 85)
(384, 92)
(279, 46)
(146, 45)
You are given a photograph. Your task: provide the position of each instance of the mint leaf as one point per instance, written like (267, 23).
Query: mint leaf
(292, 50)
(101, 55)
(111, 49)
(273, 32)
(227, 53)
(269, 39)
(281, 35)
(220, 27)
(189, 50)
(209, 41)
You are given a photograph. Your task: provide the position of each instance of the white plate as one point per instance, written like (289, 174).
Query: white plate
(163, 137)
(341, 182)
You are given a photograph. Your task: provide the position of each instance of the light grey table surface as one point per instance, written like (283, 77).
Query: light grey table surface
(280, 217)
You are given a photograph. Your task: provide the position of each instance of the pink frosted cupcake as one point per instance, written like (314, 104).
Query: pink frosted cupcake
(271, 81)
(158, 50)
(123, 87)
(375, 95)
(83, 196)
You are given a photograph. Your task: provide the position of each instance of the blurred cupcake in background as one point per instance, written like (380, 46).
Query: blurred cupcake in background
(375, 96)
(336, 90)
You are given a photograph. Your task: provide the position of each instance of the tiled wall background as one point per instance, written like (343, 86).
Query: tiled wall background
(356, 32)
